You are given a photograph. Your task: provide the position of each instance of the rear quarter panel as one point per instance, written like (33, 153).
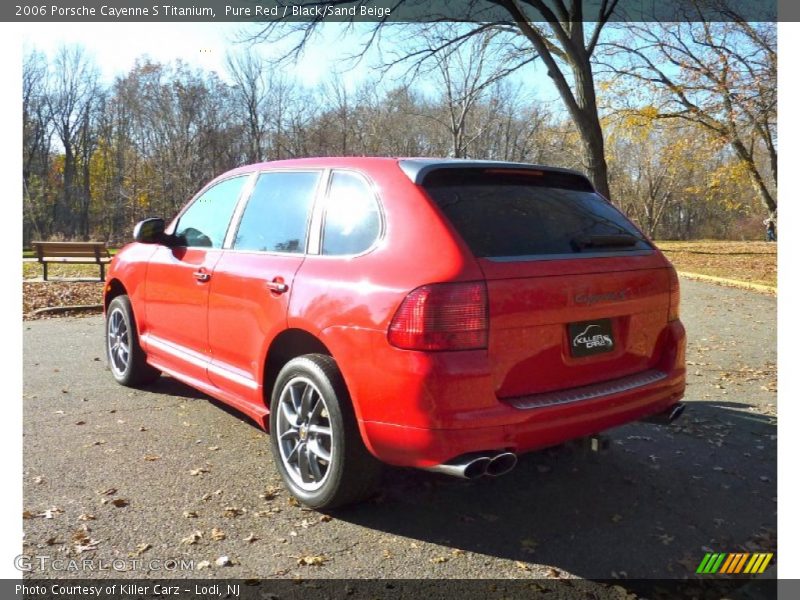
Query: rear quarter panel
(349, 302)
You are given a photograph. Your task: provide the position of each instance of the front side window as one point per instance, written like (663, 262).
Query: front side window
(205, 222)
(277, 214)
(352, 216)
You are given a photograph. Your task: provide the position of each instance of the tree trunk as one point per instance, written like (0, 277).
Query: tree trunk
(588, 123)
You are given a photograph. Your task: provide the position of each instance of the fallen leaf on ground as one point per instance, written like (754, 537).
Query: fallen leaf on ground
(140, 549)
(553, 573)
(217, 534)
(312, 561)
(192, 538)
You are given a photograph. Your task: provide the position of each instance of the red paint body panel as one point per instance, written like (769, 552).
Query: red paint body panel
(413, 408)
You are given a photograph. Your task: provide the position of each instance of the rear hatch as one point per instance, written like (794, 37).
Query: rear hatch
(576, 294)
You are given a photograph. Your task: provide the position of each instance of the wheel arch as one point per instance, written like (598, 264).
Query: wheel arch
(288, 344)
(294, 342)
(113, 289)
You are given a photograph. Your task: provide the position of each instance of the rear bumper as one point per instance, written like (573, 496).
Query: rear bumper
(527, 430)
(526, 424)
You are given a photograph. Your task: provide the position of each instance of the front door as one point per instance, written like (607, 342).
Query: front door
(175, 331)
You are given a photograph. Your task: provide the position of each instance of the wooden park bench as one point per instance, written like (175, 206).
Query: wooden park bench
(80, 253)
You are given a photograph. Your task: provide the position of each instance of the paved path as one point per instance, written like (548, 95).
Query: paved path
(182, 464)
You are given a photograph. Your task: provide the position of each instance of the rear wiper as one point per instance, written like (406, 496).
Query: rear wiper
(621, 240)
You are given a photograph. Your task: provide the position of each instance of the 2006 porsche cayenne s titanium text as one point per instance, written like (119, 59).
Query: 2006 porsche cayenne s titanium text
(440, 314)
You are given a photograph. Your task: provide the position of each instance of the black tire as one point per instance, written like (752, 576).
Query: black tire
(129, 369)
(350, 473)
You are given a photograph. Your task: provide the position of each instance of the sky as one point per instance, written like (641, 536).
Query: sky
(116, 46)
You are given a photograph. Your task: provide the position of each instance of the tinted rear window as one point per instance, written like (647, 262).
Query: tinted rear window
(513, 212)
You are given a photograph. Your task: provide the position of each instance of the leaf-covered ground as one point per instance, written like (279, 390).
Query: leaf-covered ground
(68, 285)
(753, 262)
(37, 295)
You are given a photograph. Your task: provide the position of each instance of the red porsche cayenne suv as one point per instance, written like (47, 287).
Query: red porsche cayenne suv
(440, 314)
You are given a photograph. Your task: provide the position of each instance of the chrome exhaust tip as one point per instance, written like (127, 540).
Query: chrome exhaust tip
(676, 412)
(469, 466)
(668, 416)
(501, 464)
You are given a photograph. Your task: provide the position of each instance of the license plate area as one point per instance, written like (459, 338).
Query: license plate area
(588, 338)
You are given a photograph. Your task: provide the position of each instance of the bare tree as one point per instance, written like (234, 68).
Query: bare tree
(465, 73)
(721, 76)
(70, 102)
(37, 132)
(552, 31)
(250, 89)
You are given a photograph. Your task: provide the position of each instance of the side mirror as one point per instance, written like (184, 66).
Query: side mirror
(149, 231)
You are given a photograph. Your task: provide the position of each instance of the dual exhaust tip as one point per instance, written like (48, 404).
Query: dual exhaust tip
(481, 464)
(473, 466)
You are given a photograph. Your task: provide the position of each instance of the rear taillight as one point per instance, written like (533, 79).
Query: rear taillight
(442, 316)
(674, 295)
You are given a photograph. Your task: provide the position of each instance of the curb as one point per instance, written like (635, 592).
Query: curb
(758, 287)
(63, 309)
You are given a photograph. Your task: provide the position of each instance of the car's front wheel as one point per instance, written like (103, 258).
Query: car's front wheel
(126, 359)
(314, 436)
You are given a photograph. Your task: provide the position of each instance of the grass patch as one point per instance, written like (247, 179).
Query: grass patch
(753, 262)
(33, 270)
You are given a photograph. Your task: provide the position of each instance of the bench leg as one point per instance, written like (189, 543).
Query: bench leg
(102, 272)
(44, 274)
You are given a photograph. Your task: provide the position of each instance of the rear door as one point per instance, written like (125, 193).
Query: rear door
(253, 280)
(177, 280)
(576, 294)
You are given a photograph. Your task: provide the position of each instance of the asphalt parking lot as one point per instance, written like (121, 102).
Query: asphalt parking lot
(166, 473)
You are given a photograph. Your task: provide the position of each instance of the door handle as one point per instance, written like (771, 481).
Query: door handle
(201, 275)
(277, 286)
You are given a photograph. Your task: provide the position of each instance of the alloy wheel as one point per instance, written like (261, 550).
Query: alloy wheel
(305, 437)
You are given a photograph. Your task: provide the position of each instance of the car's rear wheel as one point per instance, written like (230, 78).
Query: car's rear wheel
(314, 436)
(126, 359)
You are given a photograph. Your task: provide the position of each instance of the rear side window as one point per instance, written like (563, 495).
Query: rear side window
(507, 213)
(352, 216)
(205, 222)
(276, 216)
